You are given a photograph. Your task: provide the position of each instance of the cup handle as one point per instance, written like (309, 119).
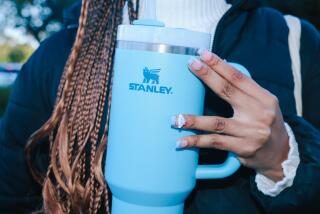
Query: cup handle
(227, 168)
(232, 164)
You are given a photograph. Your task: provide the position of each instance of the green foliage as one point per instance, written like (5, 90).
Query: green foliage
(4, 52)
(4, 96)
(15, 53)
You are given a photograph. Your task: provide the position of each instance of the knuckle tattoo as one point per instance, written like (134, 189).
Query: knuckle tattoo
(215, 142)
(227, 90)
(219, 125)
(237, 76)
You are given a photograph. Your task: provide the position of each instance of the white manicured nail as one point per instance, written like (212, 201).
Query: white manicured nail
(204, 54)
(178, 121)
(181, 144)
(195, 64)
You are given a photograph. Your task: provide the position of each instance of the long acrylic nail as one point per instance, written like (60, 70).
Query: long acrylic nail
(181, 143)
(178, 121)
(195, 64)
(173, 120)
(205, 55)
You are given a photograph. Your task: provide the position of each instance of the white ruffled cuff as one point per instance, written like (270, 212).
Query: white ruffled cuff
(289, 166)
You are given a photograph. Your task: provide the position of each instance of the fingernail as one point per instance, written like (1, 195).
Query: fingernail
(204, 54)
(173, 120)
(195, 64)
(181, 143)
(178, 121)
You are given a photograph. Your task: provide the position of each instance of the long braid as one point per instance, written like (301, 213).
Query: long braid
(74, 182)
(104, 85)
(64, 84)
(133, 10)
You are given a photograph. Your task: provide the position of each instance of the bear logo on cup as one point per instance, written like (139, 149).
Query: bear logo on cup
(151, 74)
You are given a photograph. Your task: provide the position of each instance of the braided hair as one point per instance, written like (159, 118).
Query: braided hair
(74, 181)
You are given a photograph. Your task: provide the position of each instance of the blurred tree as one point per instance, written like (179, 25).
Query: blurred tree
(16, 55)
(5, 49)
(40, 17)
(26, 49)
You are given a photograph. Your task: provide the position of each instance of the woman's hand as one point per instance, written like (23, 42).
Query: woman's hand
(256, 132)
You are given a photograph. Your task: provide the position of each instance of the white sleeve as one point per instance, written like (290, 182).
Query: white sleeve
(289, 166)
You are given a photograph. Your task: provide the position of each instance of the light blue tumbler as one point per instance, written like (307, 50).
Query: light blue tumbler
(151, 83)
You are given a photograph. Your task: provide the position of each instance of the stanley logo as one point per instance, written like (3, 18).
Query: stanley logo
(150, 83)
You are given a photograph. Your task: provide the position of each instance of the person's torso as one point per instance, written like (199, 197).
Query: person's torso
(257, 39)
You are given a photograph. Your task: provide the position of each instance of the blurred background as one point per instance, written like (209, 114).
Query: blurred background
(25, 23)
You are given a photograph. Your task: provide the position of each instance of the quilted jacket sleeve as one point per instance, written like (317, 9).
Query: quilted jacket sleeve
(30, 105)
(303, 195)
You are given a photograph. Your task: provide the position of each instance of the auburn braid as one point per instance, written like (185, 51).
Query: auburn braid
(74, 182)
(64, 83)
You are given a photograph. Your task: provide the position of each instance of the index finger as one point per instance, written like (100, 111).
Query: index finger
(232, 75)
(218, 84)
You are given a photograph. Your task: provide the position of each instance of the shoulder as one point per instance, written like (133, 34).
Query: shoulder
(33, 95)
(310, 32)
(274, 25)
(268, 24)
(47, 63)
(310, 53)
(40, 75)
(268, 13)
(310, 40)
(55, 49)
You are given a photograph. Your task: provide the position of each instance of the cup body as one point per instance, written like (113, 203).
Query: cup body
(152, 83)
(143, 165)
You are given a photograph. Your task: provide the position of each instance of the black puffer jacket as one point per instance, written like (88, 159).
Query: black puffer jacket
(253, 36)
